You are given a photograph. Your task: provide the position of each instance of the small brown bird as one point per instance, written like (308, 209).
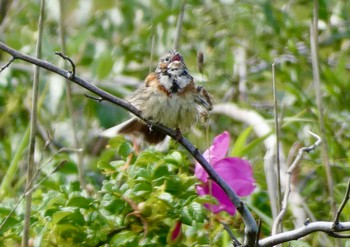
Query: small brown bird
(170, 97)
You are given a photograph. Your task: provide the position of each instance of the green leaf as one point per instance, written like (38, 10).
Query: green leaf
(161, 171)
(125, 238)
(141, 174)
(108, 186)
(142, 188)
(69, 167)
(206, 199)
(173, 185)
(147, 157)
(185, 216)
(197, 212)
(188, 183)
(174, 158)
(240, 142)
(11, 221)
(125, 149)
(240, 147)
(193, 212)
(112, 204)
(53, 199)
(105, 166)
(64, 217)
(59, 215)
(68, 234)
(253, 144)
(118, 164)
(4, 211)
(115, 142)
(79, 201)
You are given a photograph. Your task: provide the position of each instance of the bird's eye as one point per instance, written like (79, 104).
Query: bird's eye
(167, 59)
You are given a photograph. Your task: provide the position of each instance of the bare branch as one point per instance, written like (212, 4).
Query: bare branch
(71, 73)
(341, 207)
(295, 234)
(250, 224)
(7, 64)
(288, 181)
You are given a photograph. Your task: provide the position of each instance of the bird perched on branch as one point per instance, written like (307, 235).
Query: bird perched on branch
(168, 96)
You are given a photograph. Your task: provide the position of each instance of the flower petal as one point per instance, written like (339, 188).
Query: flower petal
(216, 152)
(219, 149)
(237, 173)
(225, 203)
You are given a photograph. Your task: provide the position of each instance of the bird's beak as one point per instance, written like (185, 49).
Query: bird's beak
(177, 57)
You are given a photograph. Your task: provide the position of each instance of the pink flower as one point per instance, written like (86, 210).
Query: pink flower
(235, 171)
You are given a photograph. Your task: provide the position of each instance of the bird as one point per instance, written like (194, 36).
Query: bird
(168, 96)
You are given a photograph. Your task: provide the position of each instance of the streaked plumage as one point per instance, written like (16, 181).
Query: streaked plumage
(170, 97)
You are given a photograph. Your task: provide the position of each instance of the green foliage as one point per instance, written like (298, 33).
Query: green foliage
(138, 204)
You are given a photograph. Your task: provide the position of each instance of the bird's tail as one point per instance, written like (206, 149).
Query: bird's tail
(136, 127)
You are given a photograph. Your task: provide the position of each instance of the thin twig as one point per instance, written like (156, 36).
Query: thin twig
(296, 161)
(317, 85)
(277, 132)
(250, 224)
(335, 235)
(30, 185)
(232, 236)
(71, 74)
(30, 188)
(341, 207)
(258, 235)
(33, 120)
(57, 167)
(72, 116)
(94, 98)
(7, 64)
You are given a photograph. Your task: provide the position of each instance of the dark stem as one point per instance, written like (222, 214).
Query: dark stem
(230, 233)
(7, 64)
(94, 98)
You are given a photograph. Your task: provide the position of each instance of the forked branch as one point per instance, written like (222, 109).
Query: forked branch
(288, 181)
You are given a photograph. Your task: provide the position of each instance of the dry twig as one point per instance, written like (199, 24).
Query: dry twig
(302, 150)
